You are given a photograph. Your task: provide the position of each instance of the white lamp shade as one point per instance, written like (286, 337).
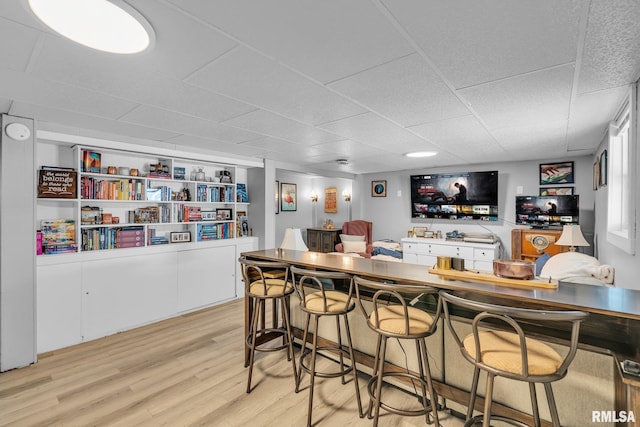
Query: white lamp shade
(572, 236)
(293, 240)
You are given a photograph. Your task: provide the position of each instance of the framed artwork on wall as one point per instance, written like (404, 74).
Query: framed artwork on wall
(379, 188)
(277, 197)
(556, 173)
(556, 191)
(331, 200)
(596, 174)
(288, 197)
(603, 169)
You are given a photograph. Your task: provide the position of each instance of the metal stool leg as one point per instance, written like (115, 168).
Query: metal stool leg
(287, 325)
(314, 352)
(340, 347)
(432, 392)
(423, 388)
(378, 394)
(534, 404)
(257, 307)
(552, 404)
(488, 400)
(474, 390)
(354, 371)
(303, 350)
(374, 373)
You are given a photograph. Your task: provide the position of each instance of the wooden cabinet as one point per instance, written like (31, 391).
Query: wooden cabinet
(530, 244)
(477, 256)
(322, 239)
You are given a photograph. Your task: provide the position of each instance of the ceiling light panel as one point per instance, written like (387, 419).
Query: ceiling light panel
(110, 26)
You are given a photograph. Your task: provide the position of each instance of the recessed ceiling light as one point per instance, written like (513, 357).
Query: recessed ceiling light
(421, 154)
(110, 26)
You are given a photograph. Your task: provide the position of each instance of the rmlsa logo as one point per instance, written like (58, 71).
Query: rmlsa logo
(612, 417)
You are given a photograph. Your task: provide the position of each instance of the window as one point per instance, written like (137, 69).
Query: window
(621, 179)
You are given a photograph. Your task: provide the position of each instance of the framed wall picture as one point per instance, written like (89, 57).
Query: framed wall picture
(288, 197)
(180, 236)
(556, 173)
(277, 197)
(596, 174)
(556, 191)
(331, 200)
(379, 188)
(603, 169)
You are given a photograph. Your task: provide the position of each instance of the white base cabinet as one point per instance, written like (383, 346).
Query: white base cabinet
(425, 251)
(85, 296)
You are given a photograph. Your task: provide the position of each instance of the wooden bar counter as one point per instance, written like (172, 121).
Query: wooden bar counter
(613, 327)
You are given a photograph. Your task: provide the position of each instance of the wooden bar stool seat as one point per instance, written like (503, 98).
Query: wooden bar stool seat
(268, 281)
(508, 352)
(391, 316)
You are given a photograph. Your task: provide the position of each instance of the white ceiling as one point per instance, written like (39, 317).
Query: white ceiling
(311, 81)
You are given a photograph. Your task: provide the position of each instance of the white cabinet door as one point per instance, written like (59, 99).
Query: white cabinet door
(244, 247)
(206, 276)
(121, 293)
(59, 305)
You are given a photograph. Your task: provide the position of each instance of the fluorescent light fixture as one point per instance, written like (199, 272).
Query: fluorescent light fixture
(421, 154)
(107, 25)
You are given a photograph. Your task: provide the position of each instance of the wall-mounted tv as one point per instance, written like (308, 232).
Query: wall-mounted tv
(547, 211)
(460, 196)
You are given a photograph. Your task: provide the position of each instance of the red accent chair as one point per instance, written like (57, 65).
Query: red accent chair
(358, 227)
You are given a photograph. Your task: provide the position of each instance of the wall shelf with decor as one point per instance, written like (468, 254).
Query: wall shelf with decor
(107, 191)
(136, 240)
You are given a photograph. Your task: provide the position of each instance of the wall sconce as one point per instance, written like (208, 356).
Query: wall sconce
(314, 197)
(346, 195)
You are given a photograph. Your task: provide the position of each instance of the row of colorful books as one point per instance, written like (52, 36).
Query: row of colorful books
(120, 189)
(215, 231)
(111, 238)
(56, 236)
(216, 194)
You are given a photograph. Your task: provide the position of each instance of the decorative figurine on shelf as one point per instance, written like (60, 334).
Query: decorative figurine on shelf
(186, 195)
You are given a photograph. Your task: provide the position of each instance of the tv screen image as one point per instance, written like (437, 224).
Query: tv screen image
(547, 211)
(461, 195)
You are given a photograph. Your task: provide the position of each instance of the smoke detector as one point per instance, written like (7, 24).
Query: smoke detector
(343, 162)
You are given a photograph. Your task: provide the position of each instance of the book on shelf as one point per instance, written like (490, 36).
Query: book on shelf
(91, 161)
(241, 193)
(58, 236)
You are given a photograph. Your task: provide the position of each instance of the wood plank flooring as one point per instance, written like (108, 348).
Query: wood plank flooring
(185, 371)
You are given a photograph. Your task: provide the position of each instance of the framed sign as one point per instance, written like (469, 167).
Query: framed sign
(288, 197)
(57, 183)
(331, 200)
(556, 173)
(379, 188)
(180, 236)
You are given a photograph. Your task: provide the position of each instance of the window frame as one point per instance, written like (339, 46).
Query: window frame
(621, 197)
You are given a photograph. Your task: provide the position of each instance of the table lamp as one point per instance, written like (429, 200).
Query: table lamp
(293, 240)
(572, 237)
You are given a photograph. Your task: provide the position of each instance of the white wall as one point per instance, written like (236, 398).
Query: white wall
(391, 215)
(627, 268)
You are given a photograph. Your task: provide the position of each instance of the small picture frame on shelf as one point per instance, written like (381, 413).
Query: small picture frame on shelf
(223, 214)
(419, 231)
(180, 236)
(208, 215)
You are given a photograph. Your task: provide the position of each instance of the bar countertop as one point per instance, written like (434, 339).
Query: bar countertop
(606, 300)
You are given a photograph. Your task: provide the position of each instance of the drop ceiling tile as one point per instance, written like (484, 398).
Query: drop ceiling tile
(372, 130)
(216, 146)
(406, 90)
(516, 138)
(30, 89)
(530, 98)
(326, 40)
(462, 136)
(267, 123)
(91, 123)
(177, 52)
(5, 104)
(281, 146)
(183, 124)
(611, 55)
(473, 42)
(248, 76)
(121, 77)
(16, 44)
(590, 117)
(348, 148)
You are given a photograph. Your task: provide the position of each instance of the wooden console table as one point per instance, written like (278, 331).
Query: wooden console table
(613, 326)
(323, 239)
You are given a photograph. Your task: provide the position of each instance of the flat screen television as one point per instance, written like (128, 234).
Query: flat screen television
(547, 211)
(458, 196)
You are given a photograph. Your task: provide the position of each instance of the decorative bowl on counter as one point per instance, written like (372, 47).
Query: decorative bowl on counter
(514, 269)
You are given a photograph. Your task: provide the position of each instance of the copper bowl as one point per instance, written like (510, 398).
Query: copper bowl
(514, 269)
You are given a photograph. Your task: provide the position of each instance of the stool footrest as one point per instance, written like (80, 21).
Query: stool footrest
(267, 335)
(477, 420)
(426, 409)
(347, 368)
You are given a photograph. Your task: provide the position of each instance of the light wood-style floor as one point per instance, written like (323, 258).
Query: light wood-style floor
(185, 371)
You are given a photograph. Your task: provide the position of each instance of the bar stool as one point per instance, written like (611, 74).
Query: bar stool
(317, 302)
(511, 353)
(392, 317)
(267, 281)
